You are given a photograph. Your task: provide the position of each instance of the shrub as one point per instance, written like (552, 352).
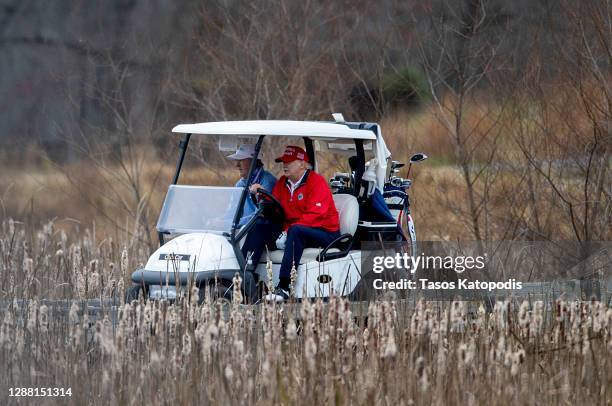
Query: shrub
(406, 87)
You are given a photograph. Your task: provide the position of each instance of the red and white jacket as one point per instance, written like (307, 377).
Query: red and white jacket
(311, 203)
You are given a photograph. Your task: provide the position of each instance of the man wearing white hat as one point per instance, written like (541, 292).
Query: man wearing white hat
(244, 157)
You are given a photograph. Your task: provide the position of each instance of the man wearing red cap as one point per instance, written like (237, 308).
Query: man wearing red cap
(311, 218)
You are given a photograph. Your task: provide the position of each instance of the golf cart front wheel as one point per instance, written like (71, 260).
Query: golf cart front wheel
(217, 293)
(135, 292)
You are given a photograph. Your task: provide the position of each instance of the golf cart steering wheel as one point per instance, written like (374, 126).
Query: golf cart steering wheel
(271, 208)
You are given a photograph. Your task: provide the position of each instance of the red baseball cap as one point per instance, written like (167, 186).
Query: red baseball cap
(292, 153)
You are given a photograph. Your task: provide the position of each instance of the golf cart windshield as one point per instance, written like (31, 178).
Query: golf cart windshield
(190, 209)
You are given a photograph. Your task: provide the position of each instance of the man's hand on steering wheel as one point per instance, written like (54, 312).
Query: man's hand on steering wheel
(264, 196)
(254, 188)
(271, 208)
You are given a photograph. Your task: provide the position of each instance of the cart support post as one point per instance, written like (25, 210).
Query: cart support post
(183, 147)
(361, 166)
(179, 164)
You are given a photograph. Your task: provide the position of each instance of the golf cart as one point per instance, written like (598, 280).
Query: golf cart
(201, 231)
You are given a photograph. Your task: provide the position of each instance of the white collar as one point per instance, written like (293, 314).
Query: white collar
(292, 186)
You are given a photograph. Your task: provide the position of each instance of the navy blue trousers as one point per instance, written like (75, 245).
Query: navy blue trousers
(299, 237)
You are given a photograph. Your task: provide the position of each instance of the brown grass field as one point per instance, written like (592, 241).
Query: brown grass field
(400, 353)
(403, 353)
(395, 353)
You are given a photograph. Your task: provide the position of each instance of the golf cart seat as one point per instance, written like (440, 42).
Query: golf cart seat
(348, 211)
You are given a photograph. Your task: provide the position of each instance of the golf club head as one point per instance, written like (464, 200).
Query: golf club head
(418, 157)
(396, 164)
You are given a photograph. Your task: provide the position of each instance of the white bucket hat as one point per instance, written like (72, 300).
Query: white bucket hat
(244, 151)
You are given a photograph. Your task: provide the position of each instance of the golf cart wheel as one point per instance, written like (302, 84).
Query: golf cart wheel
(218, 293)
(135, 292)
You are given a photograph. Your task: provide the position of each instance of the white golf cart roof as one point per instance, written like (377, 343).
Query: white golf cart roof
(287, 128)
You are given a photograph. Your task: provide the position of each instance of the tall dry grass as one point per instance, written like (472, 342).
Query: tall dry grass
(316, 353)
(188, 354)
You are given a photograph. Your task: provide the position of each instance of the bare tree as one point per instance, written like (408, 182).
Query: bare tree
(458, 58)
(566, 139)
(121, 172)
(271, 60)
